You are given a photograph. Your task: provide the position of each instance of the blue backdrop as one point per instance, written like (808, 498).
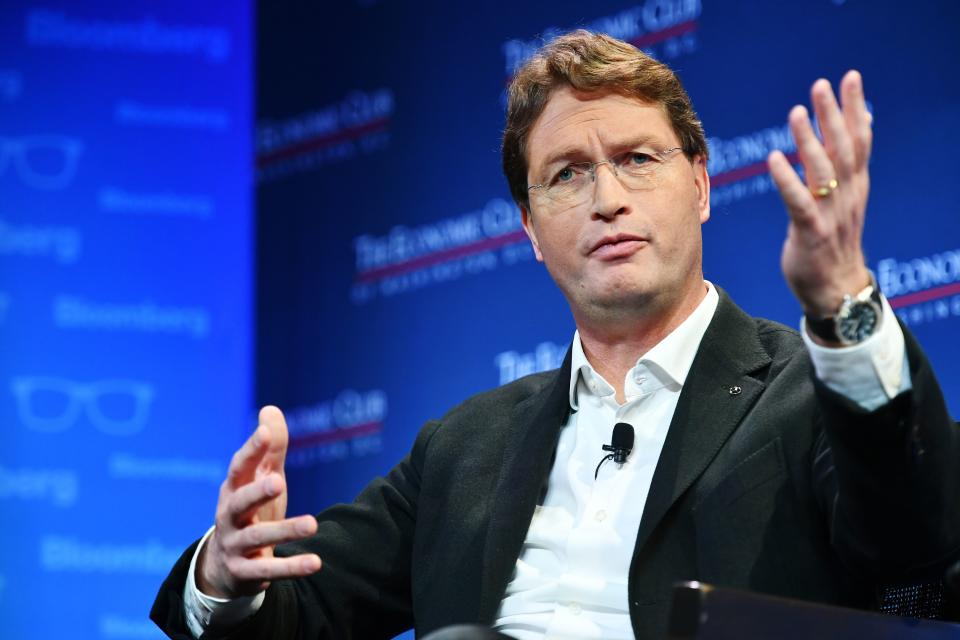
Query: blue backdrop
(126, 312)
(392, 276)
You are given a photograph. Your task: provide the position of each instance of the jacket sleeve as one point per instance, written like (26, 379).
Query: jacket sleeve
(887, 479)
(362, 590)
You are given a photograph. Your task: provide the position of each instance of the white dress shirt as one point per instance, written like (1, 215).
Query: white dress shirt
(571, 576)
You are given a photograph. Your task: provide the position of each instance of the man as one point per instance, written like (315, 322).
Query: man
(748, 470)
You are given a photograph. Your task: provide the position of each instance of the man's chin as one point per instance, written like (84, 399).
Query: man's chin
(621, 302)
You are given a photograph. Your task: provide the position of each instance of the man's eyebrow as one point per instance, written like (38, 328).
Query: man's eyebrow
(563, 155)
(575, 153)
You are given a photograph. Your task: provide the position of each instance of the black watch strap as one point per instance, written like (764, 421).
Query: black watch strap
(823, 328)
(826, 328)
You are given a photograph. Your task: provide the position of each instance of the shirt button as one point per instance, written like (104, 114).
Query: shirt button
(640, 379)
(600, 515)
(575, 608)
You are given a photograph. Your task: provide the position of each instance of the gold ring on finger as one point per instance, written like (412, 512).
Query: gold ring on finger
(824, 190)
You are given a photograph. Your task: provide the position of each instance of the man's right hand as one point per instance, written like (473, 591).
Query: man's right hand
(238, 559)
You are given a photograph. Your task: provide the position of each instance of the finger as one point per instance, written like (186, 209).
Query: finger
(833, 127)
(816, 164)
(269, 534)
(857, 117)
(272, 418)
(796, 196)
(244, 502)
(273, 568)
(244, 463)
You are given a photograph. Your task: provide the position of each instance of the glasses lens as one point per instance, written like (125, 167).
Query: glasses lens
(120, 407)
(572, 190)
(640, 178)
(48, 162)
(643, 170)
(45, 404)
(563, 193)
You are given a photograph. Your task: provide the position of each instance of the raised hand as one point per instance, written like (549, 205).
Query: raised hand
(238, 557)
(822, 256)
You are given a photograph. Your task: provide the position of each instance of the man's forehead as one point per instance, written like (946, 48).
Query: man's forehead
(571, 119)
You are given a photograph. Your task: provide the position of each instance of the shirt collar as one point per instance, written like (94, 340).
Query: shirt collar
(670, 359)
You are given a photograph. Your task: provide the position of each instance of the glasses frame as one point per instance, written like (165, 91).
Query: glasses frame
(591, 167)
(16, 152)
(82, 398)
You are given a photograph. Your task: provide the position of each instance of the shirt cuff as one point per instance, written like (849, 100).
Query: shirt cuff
(203, 611)
(869, 373)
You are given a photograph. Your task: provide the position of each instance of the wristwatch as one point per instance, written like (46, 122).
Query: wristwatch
(857, 319)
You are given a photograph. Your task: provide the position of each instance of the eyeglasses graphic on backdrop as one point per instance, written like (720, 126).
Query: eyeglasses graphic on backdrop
(41, 162)
(53, 405)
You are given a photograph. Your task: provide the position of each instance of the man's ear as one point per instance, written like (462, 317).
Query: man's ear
(702, 181)
(531, 232)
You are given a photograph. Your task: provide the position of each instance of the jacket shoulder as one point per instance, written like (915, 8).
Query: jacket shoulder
(779, 341)
(502, 399)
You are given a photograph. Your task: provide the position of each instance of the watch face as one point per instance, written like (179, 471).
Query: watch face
(858, 323)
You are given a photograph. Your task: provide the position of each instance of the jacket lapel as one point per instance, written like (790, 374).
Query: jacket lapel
(717, 394)
(528, 458)
(707, 413)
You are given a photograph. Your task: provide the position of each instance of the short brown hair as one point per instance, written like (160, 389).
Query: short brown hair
(592, 63)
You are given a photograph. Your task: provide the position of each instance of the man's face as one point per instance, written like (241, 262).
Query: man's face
(621, 249)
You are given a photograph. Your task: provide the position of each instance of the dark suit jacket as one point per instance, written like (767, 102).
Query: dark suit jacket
(767, 481)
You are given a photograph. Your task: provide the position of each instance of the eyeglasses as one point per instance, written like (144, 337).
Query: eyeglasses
(52, 405)
(42, 162)
(571, 186)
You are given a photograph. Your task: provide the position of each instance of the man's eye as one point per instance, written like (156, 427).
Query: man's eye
(637, 158)
(565, 175)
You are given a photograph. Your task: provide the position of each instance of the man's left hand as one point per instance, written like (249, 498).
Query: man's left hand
(823, 255)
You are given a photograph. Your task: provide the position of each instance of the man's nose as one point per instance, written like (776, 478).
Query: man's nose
(609, 195)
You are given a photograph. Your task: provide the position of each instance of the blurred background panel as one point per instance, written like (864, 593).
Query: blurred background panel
(145, 314)
(126, 288)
